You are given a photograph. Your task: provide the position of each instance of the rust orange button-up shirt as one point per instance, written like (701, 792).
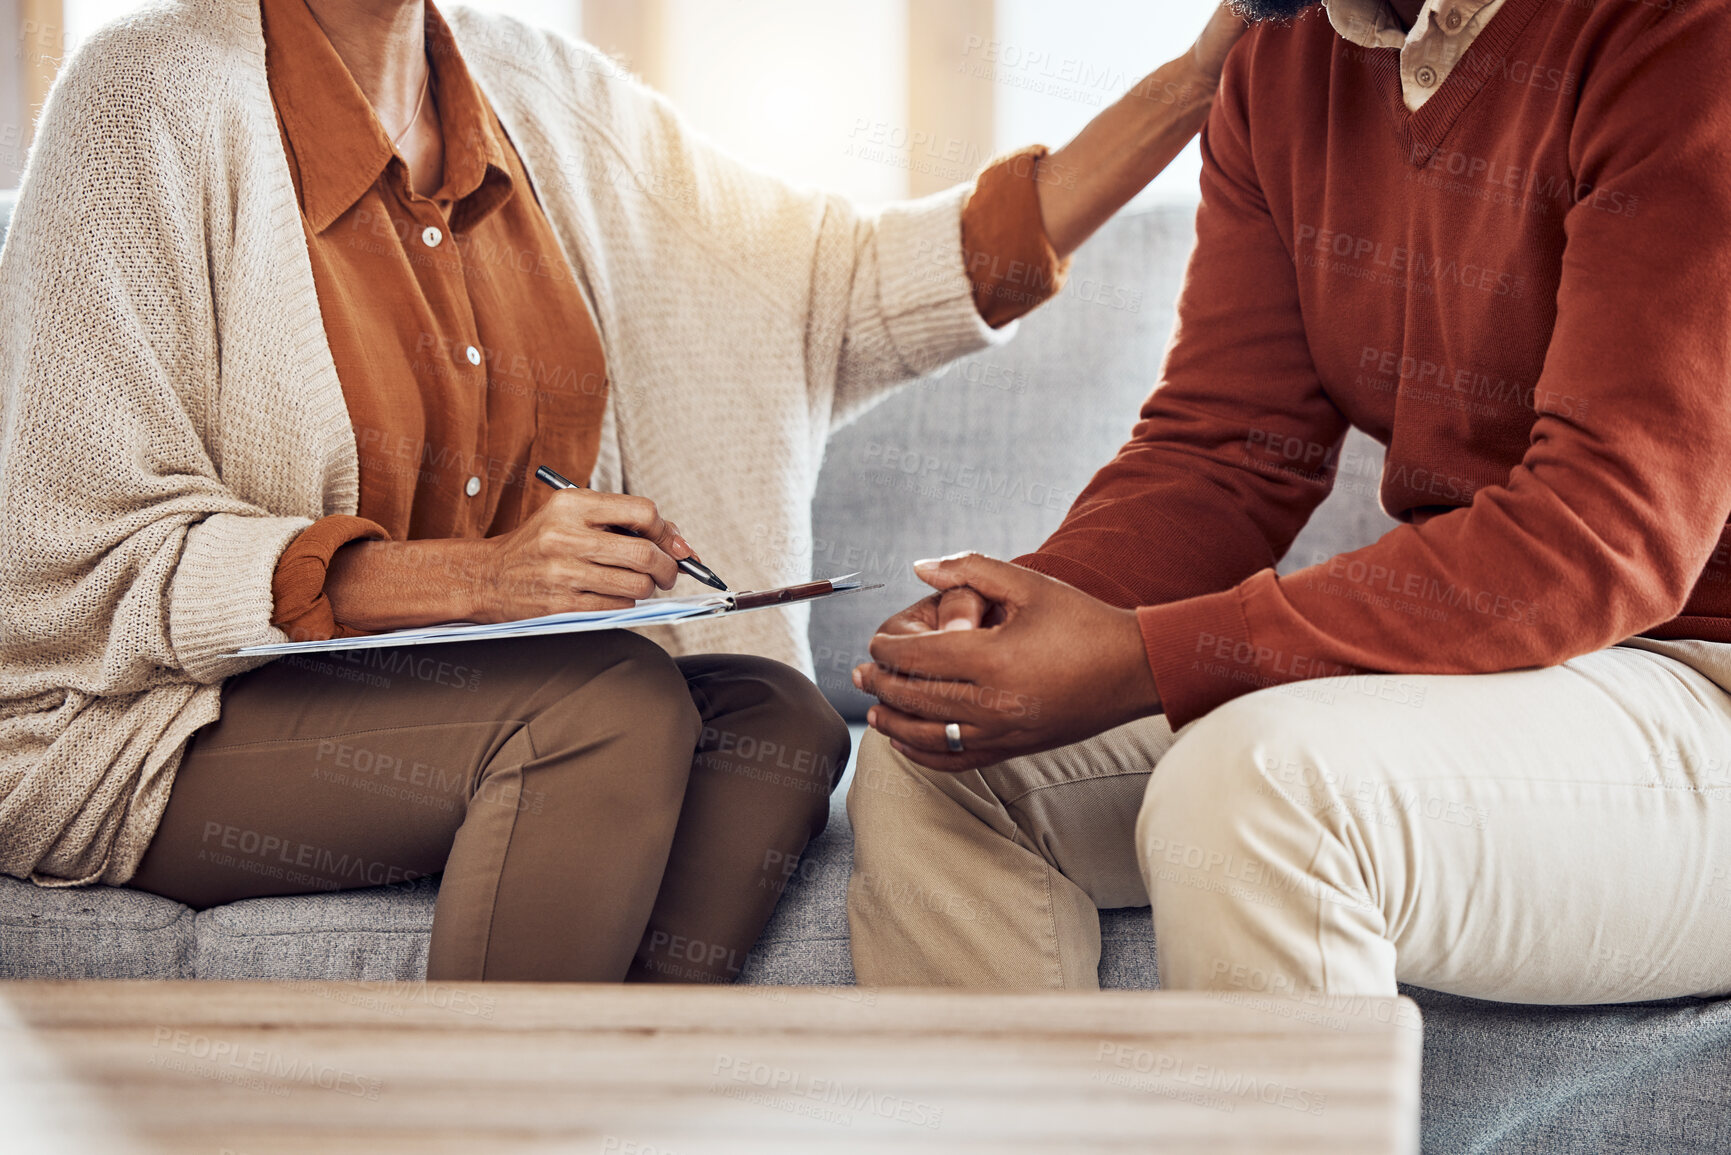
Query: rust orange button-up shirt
(465, 350)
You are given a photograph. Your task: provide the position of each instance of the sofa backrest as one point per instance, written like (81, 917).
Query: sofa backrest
(990, 453)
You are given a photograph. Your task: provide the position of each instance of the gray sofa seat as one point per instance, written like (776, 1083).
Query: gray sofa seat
(988, 455)
(377, 935)
(94, 933)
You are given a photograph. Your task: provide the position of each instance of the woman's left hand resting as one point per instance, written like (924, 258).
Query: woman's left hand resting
(1022, 662)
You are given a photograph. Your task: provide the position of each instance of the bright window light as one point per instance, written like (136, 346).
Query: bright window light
(796, 86)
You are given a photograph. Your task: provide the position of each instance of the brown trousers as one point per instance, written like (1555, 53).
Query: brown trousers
(600, 810)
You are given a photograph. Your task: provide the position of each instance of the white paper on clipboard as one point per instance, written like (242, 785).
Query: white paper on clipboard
(654, 612)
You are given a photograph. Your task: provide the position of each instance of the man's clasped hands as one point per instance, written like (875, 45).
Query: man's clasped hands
(1019, 662)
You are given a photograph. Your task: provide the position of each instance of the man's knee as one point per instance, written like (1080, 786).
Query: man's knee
(885, 784)
(1258, 760)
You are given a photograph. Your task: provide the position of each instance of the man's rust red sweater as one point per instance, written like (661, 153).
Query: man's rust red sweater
(1523, 290)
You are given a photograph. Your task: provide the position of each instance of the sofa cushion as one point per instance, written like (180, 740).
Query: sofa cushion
(806, 941)
(377, 935)
(1624, 1080)
(98, 932)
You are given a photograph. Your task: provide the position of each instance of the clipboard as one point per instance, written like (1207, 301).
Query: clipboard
(654, 612)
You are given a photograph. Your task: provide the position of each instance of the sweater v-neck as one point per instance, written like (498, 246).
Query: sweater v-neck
(1421, 131)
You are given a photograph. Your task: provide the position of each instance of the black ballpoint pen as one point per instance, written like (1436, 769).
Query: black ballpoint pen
(688, 565)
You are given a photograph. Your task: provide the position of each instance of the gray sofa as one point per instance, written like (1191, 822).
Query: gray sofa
(988, 455)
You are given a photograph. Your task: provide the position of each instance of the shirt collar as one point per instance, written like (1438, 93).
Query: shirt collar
(339, 147)
(1372, 23)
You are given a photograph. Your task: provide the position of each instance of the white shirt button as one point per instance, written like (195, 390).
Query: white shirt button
(1453, 22)
(473, 487)
(473, 354)
(1426, 76)
(431, 237)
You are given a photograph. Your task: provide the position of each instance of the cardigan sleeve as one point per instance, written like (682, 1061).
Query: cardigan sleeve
(126, 562)
(904, 318)
(1198, 500)
(909, 306)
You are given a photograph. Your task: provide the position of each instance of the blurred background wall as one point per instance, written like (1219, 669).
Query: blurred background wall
(874, 98)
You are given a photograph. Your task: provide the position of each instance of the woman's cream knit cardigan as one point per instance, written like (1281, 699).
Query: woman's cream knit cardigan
(172, 416)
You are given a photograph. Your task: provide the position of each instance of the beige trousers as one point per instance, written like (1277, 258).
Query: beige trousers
(1544, 836)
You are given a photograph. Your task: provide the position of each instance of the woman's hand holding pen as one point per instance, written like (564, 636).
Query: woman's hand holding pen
(1020, 661)
(568, 556)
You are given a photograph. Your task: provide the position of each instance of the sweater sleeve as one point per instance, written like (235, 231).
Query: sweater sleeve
(1207, 491)
(1600, 531)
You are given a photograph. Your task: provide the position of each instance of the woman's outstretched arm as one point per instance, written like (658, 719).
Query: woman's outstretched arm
(1111, 160)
